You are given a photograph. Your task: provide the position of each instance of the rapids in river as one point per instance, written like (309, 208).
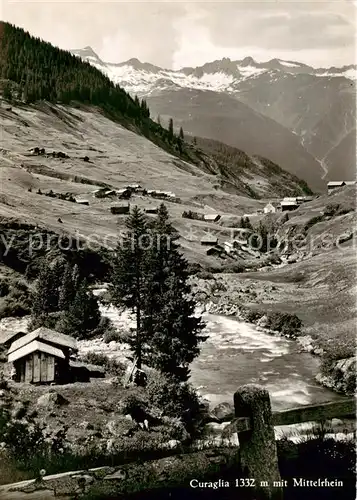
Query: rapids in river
(237, 353)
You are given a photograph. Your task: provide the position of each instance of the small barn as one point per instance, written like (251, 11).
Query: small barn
(81, 201)
(211, 217)
(334, 185)
(120, 209)
(152, 210)
(42, 356)
(287, 205)
(209, 240)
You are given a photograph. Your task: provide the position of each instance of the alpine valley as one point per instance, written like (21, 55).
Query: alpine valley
(300, 117)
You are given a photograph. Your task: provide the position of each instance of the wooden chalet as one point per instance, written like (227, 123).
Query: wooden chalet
(42, 356)
(120, 209)
(209, 240)
(211, 217)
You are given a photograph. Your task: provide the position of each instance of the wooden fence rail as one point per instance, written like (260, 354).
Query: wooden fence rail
(345, 408)
(253, 421)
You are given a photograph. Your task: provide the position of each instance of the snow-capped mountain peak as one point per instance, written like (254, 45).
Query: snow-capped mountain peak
(223, 75)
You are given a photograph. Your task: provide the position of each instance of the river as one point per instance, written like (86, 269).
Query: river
(236, 353)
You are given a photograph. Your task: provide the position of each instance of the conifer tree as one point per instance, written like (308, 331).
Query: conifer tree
(7, 92)
(67, 289)
(83, 315)
(171, 130)
(181, 134)
(45, 296)
(128, 281)
(172, 331)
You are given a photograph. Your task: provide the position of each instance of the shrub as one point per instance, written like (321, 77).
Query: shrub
(331, 209)
(14, 307)
(285, 323)
(313, 221)
(205, 275)
(176, 399)
(112, 366)
(252, 316)
(4, 288)
(105, 327)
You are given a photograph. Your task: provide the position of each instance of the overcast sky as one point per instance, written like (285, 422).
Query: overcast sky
(175, 34)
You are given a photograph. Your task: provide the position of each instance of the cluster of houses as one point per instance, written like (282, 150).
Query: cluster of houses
(46, 356)
(41, 152)
(237, 246)
(286, 204)
(126, 192)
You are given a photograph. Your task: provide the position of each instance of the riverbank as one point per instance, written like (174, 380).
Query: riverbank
(321, 292)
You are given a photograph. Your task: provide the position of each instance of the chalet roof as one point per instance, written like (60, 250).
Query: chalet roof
(335, 183)
(209, 239)
(211, 217)
(289, 203)
(291, 198)
(47, 335)
(34, 346)
(5, 336)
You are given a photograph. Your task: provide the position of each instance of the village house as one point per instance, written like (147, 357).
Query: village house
(100, 193)
(42, 356)
(270, 208)
(211, 217)
(124, 193)
(120, 209)
(133, 187)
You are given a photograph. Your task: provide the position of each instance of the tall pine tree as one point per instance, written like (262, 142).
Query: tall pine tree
(129, 276)
(171, 130)
(172, 331)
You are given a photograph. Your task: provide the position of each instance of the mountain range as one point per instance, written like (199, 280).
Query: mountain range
(302, 118)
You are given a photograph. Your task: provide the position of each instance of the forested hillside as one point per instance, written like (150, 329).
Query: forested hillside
(32, 70)
(35, 70)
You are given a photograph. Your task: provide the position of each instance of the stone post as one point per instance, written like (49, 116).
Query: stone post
(258, 451)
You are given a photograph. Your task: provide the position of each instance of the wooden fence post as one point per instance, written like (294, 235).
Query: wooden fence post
(259, 459)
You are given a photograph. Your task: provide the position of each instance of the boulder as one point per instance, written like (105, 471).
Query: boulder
(18, 410)
(120, 426)
(293, 258)
(51, 400)
(223, 411)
